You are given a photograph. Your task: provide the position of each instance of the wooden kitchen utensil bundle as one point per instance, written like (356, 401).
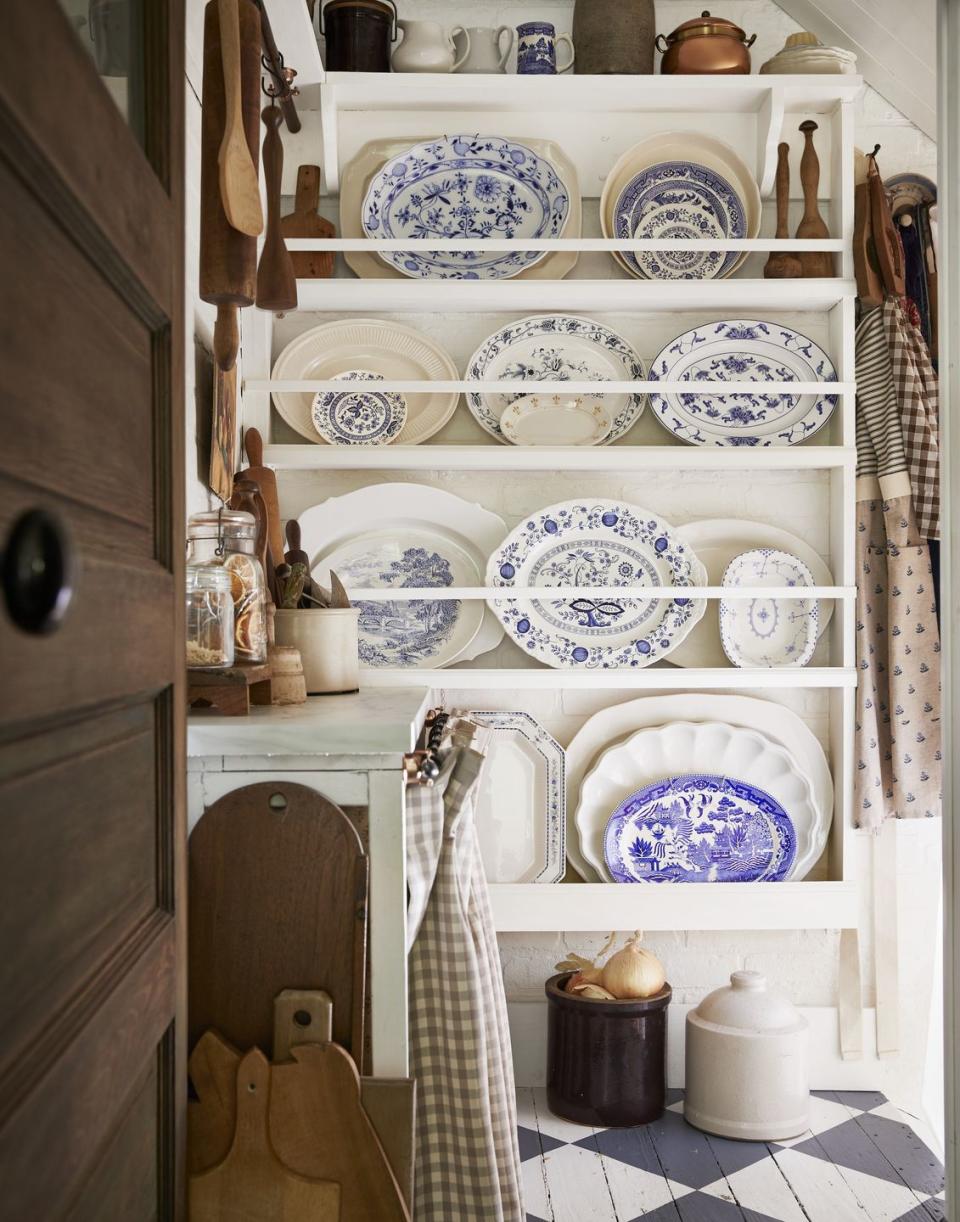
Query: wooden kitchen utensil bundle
(782, 265)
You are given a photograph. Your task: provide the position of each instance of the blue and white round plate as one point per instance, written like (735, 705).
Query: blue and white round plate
(699, 829)
(556, 348)
(465, 187)
(742, 350)
(764, 632)
(598, 543)
(697, 201)
(359, 417)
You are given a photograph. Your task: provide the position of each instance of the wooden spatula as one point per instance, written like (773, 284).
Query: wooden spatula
(267, 479)
(276, 283)
(239, 185)
(251, 1182)
(781, 265)
(812, 224)
(304, 222)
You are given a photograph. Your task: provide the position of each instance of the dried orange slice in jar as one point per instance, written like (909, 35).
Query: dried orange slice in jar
(243, 575)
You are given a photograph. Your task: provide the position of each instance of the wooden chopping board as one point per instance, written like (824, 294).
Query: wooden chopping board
(267, 480)
(304, 222)
(318, 1122)
(277, 897)
(251, 1182)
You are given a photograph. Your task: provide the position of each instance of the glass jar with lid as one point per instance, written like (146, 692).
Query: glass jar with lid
(226, 538)
(209, 617)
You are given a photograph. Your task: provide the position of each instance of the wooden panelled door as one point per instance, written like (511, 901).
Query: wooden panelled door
(92, 837)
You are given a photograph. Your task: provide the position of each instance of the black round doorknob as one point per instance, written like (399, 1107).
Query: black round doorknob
(37, 572)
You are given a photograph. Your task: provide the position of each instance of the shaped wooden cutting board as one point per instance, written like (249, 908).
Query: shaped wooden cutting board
(251, 1182)
(278, 898)
(305, 222)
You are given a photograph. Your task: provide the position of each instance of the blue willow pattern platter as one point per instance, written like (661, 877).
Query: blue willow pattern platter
(465, 187)
(699, 829)
(768, 631)
(556, 348)
(600, 544)
(359, 417)
(742, 350)
(702, 203)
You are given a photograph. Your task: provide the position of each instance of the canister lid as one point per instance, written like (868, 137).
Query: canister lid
(698, 27)
(748, 1005)
(231, 523)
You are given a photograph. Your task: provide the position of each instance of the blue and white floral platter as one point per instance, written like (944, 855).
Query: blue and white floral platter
(359, 417)
(556, 348)
(606, 543)
(465, 187)
(742, 350)
(680, 199)
(768, 631)
(699, 829)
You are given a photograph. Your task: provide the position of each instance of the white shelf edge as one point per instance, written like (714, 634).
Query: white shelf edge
(492, 457)
(665, 678)
(721, 389)
(509, 593)
(495, 245)
(588, 907)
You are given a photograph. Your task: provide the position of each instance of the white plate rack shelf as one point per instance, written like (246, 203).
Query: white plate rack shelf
(595, 120)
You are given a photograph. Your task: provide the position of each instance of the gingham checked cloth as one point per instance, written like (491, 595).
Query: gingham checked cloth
(468, 1162)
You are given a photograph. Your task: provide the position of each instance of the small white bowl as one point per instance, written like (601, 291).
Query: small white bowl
(555, 420)
(768, 632)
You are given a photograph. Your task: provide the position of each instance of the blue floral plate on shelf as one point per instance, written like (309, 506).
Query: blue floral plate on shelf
(465, 187)
(764, 632)
(699, 829)
(742, 350)
(600, 543)
(359, 417)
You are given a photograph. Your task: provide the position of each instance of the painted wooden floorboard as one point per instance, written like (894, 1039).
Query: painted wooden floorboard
(818, 1184)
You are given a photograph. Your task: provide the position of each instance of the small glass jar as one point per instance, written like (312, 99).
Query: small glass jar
(209, 617)
(225, 539)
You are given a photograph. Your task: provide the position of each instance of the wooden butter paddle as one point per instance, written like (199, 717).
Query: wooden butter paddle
(267, 480)
(239, 183)
(304, 222)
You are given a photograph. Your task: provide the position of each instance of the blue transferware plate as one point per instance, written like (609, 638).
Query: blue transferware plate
(359, 417)
(742, 350)
(699, 829)
(465, 187)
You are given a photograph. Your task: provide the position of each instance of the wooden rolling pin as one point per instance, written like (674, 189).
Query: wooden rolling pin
(228, 258)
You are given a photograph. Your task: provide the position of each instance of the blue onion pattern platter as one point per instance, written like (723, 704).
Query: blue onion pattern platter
(607, 543)
(765, 632)
(699, 202)
(521, 806)
(556, 348)
(742, 350)
(465, 187)
(699, 829)
(359, 417)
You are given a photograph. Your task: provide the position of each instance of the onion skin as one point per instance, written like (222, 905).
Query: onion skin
(592, 992)
(633, 973)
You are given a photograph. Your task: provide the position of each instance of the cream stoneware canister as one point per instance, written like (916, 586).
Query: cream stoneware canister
(747, 1074)
(328, 642)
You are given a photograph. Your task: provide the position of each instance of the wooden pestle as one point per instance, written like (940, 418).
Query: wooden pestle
(781, 265)
(812, 225)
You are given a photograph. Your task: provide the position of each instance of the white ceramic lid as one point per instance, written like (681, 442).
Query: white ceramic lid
(747, 1005)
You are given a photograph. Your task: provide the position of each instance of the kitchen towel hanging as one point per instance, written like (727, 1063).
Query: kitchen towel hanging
(468, 1164)
(898, 643)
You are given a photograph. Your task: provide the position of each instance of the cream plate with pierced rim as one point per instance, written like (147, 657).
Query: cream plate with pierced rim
(555, 420)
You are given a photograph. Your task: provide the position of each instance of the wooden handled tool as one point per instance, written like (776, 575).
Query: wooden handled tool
(295, 554)
(239, 182)
(228, 258)
(781, 265)
(276, 282)
(303, 222)
(267, 481)
(812, 225)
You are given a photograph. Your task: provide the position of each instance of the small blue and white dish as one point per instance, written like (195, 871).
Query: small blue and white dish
(768, 632)
(359, 417)
(699, 829)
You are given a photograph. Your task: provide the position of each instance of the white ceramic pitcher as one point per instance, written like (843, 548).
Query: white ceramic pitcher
(428, 47)
(479, 48)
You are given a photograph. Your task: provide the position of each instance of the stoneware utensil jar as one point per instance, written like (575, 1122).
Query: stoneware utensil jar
(429, 47)
(358, 34)
(705, 45)
(606, 1060)
(328, 642)
(480, 48)
(614, 36)
(537, 43)
(747, 1074)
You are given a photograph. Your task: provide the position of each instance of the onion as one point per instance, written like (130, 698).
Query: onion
(633, 972)
(593, 992)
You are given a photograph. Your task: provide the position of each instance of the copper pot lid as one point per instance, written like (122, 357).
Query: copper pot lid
(697, 27)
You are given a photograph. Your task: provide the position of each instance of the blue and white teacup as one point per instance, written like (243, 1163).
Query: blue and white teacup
(537, 43)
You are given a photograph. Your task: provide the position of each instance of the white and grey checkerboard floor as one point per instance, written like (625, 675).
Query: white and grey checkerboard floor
(860, 1162)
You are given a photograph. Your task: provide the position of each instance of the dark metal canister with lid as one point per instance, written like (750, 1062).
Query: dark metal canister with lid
(358, 34)
(705, 45)
(606, 1060)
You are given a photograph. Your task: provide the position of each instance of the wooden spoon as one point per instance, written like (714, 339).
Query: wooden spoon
(781, 265)
(812, 225)
(276, 282)
(239, 184)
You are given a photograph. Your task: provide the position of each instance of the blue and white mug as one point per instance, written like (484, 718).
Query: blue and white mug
(537, 43)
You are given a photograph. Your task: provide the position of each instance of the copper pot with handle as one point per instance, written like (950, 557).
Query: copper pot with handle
(703, 45)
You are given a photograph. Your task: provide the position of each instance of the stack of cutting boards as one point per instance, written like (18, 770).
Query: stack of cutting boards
(278, 884)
